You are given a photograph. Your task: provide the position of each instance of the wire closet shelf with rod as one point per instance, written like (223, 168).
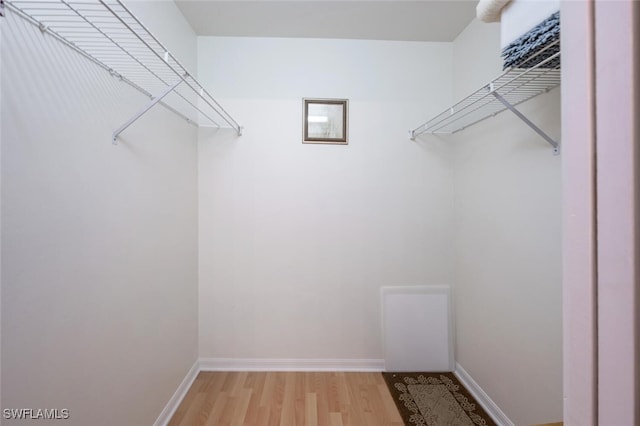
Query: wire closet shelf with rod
(514, 86)
(110, 35)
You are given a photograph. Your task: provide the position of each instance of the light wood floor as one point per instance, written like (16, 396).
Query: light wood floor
(287, 398)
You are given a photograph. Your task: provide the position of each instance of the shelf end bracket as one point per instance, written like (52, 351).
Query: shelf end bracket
(538, 130)
(146, 108)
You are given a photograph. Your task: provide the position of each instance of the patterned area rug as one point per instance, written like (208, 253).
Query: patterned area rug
(434, 399)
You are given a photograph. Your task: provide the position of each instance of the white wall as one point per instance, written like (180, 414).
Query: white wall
(508, 245)
(296, 240)
(476, 58)
(99, 242)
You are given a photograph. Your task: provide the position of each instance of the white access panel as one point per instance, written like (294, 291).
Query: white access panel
(417, 324)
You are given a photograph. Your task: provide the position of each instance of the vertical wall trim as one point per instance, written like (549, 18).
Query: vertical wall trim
(579, 223)
(636, 113)
(481, 396)
(0, 227)
(616, 42)
(174, 402)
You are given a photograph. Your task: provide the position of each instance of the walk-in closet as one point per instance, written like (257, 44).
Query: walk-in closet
(319, 212)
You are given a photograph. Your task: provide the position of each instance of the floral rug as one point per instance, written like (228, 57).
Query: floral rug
(434, 399)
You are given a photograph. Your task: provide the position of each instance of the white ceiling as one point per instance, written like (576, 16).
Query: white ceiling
(424, 20)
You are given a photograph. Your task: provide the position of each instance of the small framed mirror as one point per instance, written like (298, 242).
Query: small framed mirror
(325, 121)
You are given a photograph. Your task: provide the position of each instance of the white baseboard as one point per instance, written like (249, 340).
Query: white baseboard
(483, 399)
(269, 364)
(175, 400)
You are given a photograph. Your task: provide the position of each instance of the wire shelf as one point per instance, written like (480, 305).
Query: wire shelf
(513, 87)
(107, 33)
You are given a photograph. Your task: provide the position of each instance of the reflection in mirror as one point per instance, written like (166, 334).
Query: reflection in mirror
(325, 121)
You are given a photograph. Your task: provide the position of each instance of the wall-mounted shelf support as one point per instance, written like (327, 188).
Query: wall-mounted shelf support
(140, 113)
(554, 144)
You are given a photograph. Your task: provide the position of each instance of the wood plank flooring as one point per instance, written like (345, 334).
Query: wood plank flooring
(287, 398)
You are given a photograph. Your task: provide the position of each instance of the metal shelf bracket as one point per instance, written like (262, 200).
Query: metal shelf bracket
(143, 111)
(538, 130)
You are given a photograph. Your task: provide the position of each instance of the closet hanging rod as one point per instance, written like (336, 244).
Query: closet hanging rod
(111, 36)
(513, 87)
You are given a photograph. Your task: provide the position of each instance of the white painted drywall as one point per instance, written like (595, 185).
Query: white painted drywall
(99, 242)
(296, 240)
(476, 58)
(508, 296)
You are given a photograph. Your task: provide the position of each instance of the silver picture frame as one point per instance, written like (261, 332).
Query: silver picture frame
(325, 121)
